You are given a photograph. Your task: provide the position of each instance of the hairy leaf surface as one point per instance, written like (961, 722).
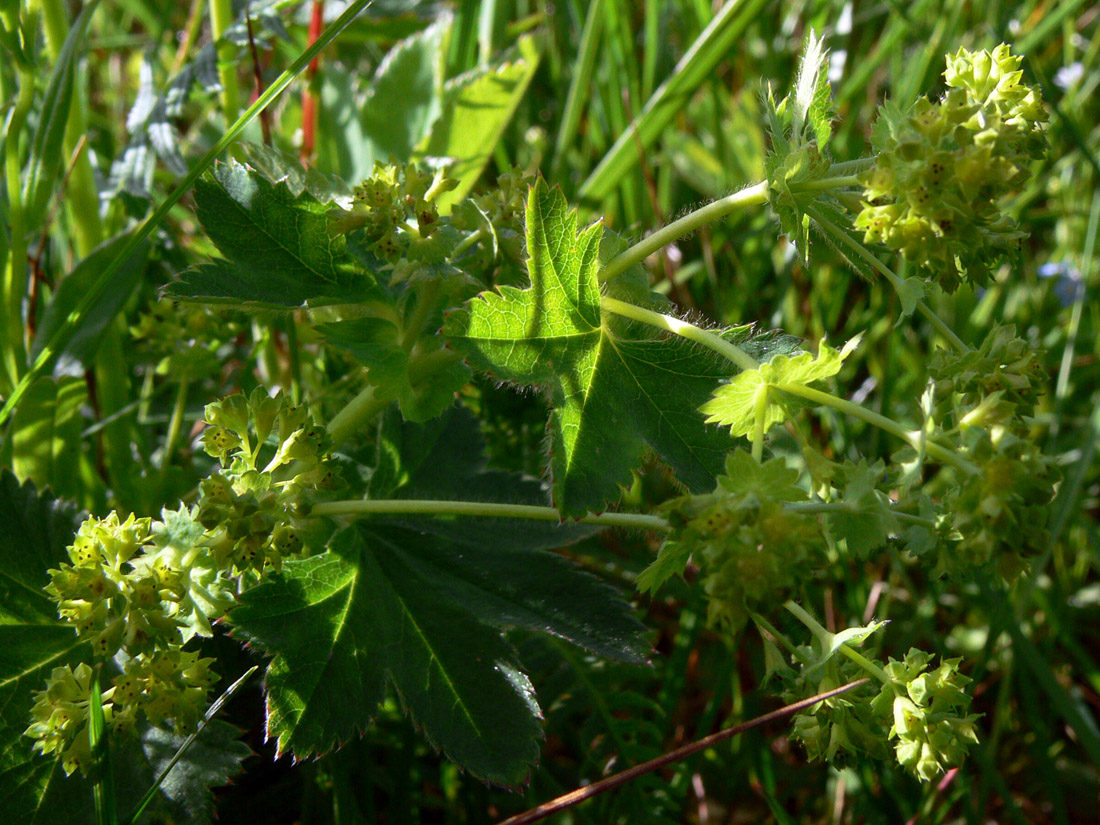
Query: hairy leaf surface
(278, 251)
(615, 387)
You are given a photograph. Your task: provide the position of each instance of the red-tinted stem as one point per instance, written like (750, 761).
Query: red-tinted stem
(309, 100)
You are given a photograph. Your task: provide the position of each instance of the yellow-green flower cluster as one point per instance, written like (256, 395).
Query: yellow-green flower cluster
(138, 590)
(396, 209)
(923, 712)
(996, 519)
(254, 508)
(933, 192)
(929, 711)
(133, 592)
(751, 549)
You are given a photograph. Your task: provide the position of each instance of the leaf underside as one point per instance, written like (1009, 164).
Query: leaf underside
(615, 387)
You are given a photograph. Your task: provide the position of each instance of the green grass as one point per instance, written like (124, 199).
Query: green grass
(640, 111)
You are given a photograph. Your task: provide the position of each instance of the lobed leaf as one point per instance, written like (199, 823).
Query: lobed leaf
(734, 404)
(278, 250)
(420, 603)
(613, 391)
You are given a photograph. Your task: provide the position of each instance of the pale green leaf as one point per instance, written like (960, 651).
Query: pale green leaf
(478, 106)
(46, 434)
(734, 404)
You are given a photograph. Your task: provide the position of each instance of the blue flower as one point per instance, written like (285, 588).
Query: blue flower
(1070, 286)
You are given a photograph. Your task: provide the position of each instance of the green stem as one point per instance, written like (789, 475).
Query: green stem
(780, 637)
(175, 424)
(361, 409)
(825, 638)
(682, 328)
(840, 235)
(489, 509)
(426, 300)
(914, 438)
(824, 184)
(221, 18)
(470, 240)
(759, 419)
(753, 196)
(814, 507)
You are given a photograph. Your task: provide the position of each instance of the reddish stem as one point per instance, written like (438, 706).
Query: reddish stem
(309, 100)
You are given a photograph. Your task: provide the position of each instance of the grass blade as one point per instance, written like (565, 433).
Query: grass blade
(694, 67)
(46, 157)
(103, 788)
(210, 714)
(66, 330)
(580, 82)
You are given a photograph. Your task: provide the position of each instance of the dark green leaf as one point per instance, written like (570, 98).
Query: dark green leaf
(184, 797)
(340, 624)
(405, 596)
(278, 249)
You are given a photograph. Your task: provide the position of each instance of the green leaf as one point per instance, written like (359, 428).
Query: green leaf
(421, 602)
(81, 348)
(37, 528)
(478, 105)
(612, 392)
(340, 624)
(734, 405)
(46, 430)
(47, 153)
(672, 559)
(499, 565)
(184, 797)
(278, 250)
(377, 343)
(769, 480)
(866, 522)
(406, 95)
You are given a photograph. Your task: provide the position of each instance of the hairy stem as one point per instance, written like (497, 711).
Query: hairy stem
(682, 328)
(174, 426)
(638, 521)
(842, 237)
(825, 638)
(361, 409)
(914, 438)
(753, 196)
(787, 644)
